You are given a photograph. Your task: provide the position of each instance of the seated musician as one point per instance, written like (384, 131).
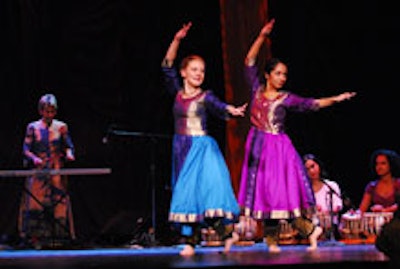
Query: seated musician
(380, 193)
(388, 240)
(379, 198)
(324, 190)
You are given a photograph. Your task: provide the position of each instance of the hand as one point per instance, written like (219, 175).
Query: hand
(377, 208)
(69, 156)
(345, 96)
(37, 161)
(237, 111)
(353, 211)
(337, 209)
(183, 31)
(267, 29)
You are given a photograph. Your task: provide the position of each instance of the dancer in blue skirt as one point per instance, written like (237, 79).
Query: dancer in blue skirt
(201, 184)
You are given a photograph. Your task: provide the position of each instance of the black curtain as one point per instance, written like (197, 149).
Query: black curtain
(101, 58)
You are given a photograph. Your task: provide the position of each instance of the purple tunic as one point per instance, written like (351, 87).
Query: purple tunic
(201, 180)
(274, 183)
(380, 200)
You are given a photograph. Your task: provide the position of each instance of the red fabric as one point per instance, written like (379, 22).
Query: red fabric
(240, 23)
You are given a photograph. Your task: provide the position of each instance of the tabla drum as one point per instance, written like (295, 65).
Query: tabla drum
(247, 229)
(209, 237)
(287, 235)
(350, 225)
(372, 222)
(324, 219)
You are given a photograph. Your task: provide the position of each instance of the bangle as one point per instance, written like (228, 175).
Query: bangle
(166, 63)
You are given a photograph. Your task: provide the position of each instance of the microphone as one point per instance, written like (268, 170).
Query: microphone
(106, 138)
(345, 199)
(330, 188)
(347, 202)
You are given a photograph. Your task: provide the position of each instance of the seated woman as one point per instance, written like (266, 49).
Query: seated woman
(380, 193)
(388, 240)
(327, 192)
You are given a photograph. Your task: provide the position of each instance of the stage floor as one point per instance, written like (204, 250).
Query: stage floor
(252, 256)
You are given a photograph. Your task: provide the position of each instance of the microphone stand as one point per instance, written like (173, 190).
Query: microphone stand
(153, 138)
(332, 240)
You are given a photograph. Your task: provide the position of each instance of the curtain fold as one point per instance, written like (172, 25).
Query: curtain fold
(241, 21)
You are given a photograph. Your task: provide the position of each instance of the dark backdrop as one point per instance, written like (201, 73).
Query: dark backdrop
(332, 46)
(101, 59)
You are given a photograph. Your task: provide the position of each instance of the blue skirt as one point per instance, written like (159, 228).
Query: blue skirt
(201, 182)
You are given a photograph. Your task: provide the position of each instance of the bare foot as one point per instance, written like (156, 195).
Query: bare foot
(274, 249)
(313, 238)
(187, 250)
(230, 241)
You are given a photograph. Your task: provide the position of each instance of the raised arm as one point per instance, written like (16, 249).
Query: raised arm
(174, 46)
(255, 47)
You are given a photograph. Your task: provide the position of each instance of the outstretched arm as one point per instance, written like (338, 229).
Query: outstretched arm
(328, 101)
(236, 111)
(381, 208)
(365, 202)
(255, 47)
(173, 47)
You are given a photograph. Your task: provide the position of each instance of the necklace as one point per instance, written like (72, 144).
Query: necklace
(191, 94)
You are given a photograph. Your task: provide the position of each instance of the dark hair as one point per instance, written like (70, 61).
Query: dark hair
(323, 171)
(393, 159)
(271, 64)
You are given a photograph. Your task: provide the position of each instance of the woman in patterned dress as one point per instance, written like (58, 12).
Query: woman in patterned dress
(201, 184)
(45, 212)
(274, 183)
(380, 194)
